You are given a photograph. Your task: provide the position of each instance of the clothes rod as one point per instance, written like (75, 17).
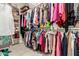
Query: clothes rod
(36, 6)
(74, 29)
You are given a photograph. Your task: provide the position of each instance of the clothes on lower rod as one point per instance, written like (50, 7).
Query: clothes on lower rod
(57, 44)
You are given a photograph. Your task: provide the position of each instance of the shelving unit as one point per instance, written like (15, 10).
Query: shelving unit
(16, 36)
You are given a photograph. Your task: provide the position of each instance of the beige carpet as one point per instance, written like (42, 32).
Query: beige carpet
(21, 50)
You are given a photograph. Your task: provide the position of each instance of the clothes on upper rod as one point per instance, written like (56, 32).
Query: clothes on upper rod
(60, 13)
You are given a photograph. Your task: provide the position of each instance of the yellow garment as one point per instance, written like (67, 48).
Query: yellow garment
(42, 26)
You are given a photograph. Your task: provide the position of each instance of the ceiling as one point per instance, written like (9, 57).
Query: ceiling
(19, 5)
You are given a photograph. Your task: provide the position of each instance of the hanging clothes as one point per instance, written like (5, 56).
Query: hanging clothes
(37, 34)
(27, 39)
(21, 20)
(49, 41)
(77, 11)
(41, 14)
(62, 14)
(76, 8)
(77, 43)
(75, 46)
(69, 38)
(52, 11)
(54, 46)
(59, 15)
(49, 11)
(35, 20)
(42, 17)
(64, 45)
(34, 46)
(45, 13)
(73, 39)
(48, 25)
(55, 14)
(28, 18)
(57, 48)
(58, 44)
(42, 41)
(32, 16)
(70, 15)
(22, 25)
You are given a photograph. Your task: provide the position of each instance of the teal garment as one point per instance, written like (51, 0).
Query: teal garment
(5, 41)
(37, 37)
(29, 16)
(4, 52)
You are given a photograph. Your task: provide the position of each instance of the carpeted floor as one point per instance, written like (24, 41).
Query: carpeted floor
(21, 50)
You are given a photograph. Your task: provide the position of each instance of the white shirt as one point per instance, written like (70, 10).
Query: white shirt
(6, 20)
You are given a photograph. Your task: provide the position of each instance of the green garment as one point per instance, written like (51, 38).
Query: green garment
(6, 40)
(4, 52)
(48, 25)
